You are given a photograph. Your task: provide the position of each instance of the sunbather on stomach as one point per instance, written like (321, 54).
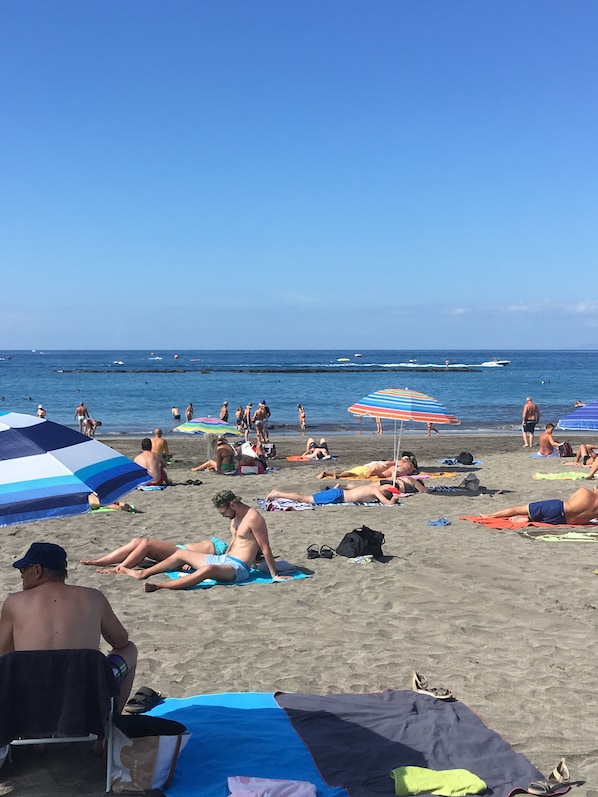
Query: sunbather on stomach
(579, 509)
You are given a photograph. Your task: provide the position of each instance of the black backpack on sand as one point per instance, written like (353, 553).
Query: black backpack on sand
(361, 542)
(465, 458)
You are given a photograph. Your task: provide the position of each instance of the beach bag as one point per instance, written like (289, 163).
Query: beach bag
(470, 483)
(145, 752)
(269, 450)
(361, 542)
(465, 458)
(566, 450)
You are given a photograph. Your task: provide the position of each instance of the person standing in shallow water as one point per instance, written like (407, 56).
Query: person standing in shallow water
(529, 419)
(189, 412)
(224, 412)
(81, 413)
(301, 412)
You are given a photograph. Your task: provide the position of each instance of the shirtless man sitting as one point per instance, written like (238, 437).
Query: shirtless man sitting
(51, 615)
(579, 509)
(160, 446)
(338, 495)
(547, 444)
(249, 534)
(379, 469)
(141, 548)
(152, 463)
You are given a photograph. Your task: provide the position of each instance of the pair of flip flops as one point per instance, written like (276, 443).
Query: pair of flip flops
(144, 699)
(324, 552)
(195, 482)
(419, 683)
(558, 778)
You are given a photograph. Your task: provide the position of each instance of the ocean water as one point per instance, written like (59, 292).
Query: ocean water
(131, 392)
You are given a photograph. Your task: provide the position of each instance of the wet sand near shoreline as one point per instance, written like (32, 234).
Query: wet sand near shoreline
(507, 623)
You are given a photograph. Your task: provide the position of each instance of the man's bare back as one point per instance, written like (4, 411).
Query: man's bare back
(56, 616)
(582, 506)
(151, 462)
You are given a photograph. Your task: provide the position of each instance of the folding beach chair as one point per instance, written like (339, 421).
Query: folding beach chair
(57, 696)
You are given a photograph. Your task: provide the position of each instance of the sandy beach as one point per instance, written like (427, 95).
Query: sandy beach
(507, 623)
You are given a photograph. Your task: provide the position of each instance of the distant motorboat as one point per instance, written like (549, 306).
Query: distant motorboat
(117, 362)
(357, 355)
(495, 362)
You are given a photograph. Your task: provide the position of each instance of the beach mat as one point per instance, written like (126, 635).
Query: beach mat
(440, 475)
(570, 475)
(349, 739)
(244, 734)
(356, 739)
(515, 525)
(256, 576)
(299, 458)
(564, 535)
(287, 504)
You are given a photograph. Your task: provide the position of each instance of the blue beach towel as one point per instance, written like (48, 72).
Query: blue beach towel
(314, 738)
(256, 576)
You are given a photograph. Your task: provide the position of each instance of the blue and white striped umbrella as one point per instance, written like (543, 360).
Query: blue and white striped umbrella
(48, 470)
(585, 417)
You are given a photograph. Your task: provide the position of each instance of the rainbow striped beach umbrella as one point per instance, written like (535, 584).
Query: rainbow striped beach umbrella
(402, 405)
(48, 470)
(207, 426)
(210, 427)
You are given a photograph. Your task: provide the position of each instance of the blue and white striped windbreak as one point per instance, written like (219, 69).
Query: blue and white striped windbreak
(48, 470)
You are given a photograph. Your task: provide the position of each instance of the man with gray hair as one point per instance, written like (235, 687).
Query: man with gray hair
(529, 419)
(249, 535)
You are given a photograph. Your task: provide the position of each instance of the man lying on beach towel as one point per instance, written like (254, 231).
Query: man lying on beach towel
(579, 509)
(249, 534)
(336, 495)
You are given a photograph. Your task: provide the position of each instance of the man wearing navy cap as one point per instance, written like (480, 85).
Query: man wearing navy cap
(51, 615)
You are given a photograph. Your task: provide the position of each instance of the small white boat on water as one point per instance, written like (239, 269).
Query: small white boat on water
(495, 363)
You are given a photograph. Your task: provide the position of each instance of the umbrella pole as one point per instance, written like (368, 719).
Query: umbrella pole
(397, 448)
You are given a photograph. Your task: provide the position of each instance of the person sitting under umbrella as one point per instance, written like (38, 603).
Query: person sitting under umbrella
(225, 458)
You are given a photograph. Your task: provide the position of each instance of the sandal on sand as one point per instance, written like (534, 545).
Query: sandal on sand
(144, 699)
(326, 552)
(419, 683)
(558, 778)
(313, 552)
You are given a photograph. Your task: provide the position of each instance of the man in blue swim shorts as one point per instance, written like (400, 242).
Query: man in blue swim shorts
(249, 535)
(52, 615)
(337, 495)
(581, 508)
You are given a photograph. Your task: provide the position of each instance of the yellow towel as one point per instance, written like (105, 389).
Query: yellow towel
(449, 782)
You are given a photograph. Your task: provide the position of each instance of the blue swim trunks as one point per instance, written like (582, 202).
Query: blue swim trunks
(241, 570)
(333, 496)
(220, 547)
(120, 668)
(551, 511)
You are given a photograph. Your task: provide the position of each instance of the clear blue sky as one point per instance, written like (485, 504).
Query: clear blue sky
(277, 174)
